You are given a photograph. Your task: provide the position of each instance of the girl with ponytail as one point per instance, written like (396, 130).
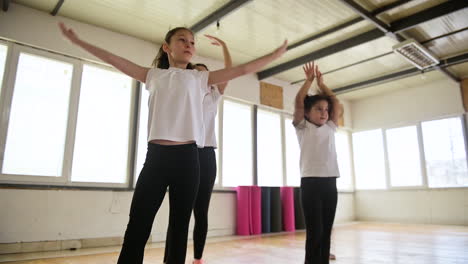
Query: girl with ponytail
(175, 130)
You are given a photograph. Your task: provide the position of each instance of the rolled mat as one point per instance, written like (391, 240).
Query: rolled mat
(256, 210)
(287, 201)
(243, 210)
(275, 205)
(266, 216)
(298, 213)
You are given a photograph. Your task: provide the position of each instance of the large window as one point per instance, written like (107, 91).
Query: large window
(269, 149)
(237, 144)
(343, 152)
(102, 133)
(369, 164)
(403, 156)
(293, 154)
(37, 126)
(444, 150)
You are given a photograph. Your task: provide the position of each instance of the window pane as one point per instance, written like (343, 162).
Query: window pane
(237, 144)
(444, 149)
(369, 159)
(344, 161)
(403, 156)
(102, 134)
(269, 156)
(38, 118)
(293, 152)
(3, 53)
(142, 132)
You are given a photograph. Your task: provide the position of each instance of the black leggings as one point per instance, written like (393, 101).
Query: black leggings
(176, 167)
(207, 159)
(319, 199)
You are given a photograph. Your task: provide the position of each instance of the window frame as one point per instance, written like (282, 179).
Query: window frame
(421, 156)
(281, 114)
(385, 157)
(463, 119)
(63, 181)
(219, 186)
(351, 159)
(424, 186)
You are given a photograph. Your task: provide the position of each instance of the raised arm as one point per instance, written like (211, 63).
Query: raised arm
(302, 93)
(129, 68)
(227, 58)
(337, 111)
(225, 75)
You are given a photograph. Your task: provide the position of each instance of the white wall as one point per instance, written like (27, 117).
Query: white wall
(45, 215)
(435, 99)
(429, 206)
(49, 215)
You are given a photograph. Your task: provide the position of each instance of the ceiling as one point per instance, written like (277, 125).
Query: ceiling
(259, 26)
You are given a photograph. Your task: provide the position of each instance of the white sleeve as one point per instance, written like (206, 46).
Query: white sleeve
(202, 78)
(301, 125)
(215, 91)
(150, 76)
(332, 124)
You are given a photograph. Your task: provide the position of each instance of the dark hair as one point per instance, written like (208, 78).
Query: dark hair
(311, 100)
(162, 61)
(202, 65)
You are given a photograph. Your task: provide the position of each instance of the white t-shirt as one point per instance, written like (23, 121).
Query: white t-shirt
(318, 153)
(176, 104)
(210, 109)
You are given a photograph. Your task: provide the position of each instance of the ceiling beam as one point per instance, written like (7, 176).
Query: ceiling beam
(218, 14)
(326, 32)
(389, 7)
(6, 4)
(399, 25)
(427, 15)
(387, 53)
(334, 48)
(366, 15)
(402, 74)
(57, 7)
(347, 24)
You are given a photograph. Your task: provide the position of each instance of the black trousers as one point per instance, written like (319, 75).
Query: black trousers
(319, 199)
(176, 167)
(208, 168)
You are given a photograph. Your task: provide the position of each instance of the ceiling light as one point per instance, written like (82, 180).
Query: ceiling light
(416, 54)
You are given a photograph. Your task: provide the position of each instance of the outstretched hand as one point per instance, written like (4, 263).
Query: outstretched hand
(214, 40)
(319, 77)
(68, 32)
(282, 49)
(310, 70)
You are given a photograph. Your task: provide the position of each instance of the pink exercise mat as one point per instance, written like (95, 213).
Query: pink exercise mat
(249, 210)
(287, 201)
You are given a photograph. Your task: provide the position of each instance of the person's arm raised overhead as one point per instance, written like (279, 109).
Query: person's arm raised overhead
(225, 75)
(309, 72)
(337, 110)
(129, 68)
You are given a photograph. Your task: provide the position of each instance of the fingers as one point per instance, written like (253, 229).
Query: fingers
(62, 27)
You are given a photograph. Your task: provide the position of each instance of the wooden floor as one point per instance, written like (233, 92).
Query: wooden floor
(357, 243)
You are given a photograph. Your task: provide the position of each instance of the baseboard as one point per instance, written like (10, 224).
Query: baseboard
(73, 244)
